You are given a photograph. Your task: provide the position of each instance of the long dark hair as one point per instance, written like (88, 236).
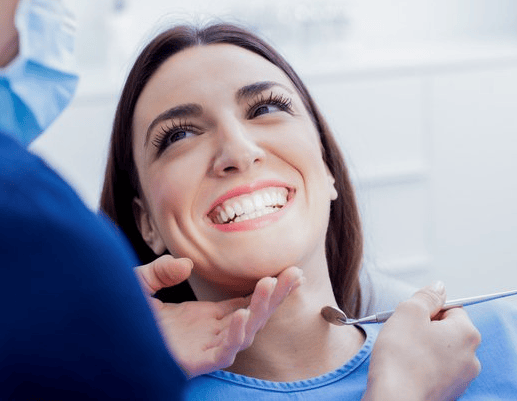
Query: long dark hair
(344, 242)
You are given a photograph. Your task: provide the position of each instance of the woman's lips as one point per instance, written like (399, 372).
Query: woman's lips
(250, 203)
(250, 206)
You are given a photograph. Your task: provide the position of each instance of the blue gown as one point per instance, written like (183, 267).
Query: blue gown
(497, 381)
(74, 323)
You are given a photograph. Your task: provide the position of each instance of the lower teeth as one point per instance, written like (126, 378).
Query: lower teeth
(254, 215)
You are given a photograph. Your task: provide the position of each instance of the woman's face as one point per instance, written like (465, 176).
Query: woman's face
(230, 168)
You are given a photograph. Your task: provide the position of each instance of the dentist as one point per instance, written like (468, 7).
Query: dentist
(75, 324)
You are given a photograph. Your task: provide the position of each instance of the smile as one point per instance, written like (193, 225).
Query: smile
(250, 206)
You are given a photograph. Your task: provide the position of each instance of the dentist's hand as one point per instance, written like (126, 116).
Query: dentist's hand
(206, 336)
(422, 353)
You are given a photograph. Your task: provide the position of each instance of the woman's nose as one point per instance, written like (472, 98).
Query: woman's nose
(238, 151)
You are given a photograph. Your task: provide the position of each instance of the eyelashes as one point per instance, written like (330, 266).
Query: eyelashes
(280, 101)
(173, 131)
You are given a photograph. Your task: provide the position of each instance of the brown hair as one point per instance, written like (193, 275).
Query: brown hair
(344, 236)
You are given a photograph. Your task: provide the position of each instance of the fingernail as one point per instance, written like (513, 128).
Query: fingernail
(439, 287)
(299, 281)
(189, 262)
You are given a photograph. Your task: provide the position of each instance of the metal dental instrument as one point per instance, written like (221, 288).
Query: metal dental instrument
(339, 318)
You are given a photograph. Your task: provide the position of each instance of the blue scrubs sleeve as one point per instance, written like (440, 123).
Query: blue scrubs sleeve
(74, 323)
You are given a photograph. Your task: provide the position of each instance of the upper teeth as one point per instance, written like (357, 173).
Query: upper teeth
(250, 206)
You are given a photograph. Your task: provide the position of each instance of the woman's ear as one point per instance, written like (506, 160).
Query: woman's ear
(147, 228)
(332, 188)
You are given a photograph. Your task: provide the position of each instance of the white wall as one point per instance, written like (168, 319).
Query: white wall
(432, 148)
(422, 95)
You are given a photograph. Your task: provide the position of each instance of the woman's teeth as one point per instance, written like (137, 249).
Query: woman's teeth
(250, 206)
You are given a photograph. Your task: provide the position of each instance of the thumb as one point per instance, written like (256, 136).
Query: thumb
(163, 272)
(431, 298)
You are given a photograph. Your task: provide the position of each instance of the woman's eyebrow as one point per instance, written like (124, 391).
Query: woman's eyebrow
(256, 88)
(181, 111)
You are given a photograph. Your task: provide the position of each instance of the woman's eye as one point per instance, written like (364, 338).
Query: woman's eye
(175, 135)
(178, 135)
(265, 109)
(270, 104)
(170, 135)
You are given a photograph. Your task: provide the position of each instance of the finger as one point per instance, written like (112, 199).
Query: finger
(259, 307)
(290, 279)
(163, 272)
(451, 314)
(233, 339)
(476, 368)
(225, 308)
(232, 330)
(222, 351)
(463, 324)
(259, 302)
(156, 304)
(430, 298)
(268, 294)
(456, 313)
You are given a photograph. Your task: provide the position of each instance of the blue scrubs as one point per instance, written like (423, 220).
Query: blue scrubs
(74, 323)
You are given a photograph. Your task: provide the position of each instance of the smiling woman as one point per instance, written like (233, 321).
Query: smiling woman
(220, 155)
(165, 100)
(250, 135)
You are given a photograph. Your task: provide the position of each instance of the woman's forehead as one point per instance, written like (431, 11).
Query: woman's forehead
(213, 64)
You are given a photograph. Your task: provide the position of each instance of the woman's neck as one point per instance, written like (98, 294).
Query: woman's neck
(297, 343)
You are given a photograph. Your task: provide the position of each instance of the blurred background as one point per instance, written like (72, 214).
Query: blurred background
(422, 95)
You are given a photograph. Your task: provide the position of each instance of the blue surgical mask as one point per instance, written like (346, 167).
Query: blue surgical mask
(40, 82)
